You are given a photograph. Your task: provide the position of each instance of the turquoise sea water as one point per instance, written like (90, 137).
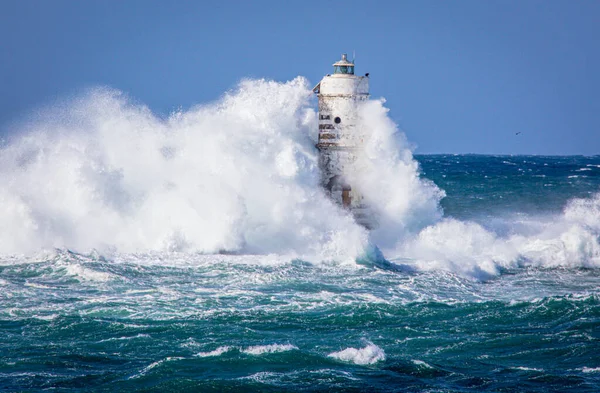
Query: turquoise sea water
(196, 322)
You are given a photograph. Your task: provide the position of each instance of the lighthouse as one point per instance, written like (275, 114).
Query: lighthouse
(340, 137)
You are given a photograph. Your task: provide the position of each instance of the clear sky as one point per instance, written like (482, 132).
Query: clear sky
(459, 76)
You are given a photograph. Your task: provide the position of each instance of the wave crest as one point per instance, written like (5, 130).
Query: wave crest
(370, 354)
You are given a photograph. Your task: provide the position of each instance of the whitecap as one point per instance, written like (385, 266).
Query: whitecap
(421, 363)
(590, 370)
(522, 368)
(87, 274)
(125, 338)
(271, 348)
(36, 285)
(152, 365)
(472, 250)
(370, 354)
(217, 352)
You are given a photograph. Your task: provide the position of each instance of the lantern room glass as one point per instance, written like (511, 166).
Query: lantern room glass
(343, 70)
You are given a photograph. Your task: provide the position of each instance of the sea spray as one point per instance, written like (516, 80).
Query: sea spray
(571, 239)
(402, 201)
(238, 175)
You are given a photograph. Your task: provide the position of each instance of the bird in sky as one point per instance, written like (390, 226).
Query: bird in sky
(518, 133)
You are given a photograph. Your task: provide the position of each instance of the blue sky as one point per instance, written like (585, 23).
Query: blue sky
(459, 76)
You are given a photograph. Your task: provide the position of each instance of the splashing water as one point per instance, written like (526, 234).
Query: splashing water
(240, 175)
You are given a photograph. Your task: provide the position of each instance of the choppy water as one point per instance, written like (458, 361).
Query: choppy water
(111, 280)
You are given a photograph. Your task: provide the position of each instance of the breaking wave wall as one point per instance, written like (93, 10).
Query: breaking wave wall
(240, 175)
(237, 175)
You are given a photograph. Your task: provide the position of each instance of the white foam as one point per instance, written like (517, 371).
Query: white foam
(35, 285)
(49, 317)
(152, 365)
(370, 354)
(271, 348)
(263, 376)
(240, 174)
(522, 368)
(590, 370)
(569, 240)
(126, 338)
(421, 363)
(389, 178)
(462, 247)
(87, 274)
(217, 352)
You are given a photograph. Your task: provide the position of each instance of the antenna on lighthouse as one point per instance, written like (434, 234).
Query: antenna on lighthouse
(353, 55)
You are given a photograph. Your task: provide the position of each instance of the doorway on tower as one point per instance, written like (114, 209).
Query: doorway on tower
(340, 191)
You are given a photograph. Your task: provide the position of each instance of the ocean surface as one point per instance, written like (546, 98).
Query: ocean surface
(147, 254)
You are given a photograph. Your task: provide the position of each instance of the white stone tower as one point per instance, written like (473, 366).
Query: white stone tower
(340, 139)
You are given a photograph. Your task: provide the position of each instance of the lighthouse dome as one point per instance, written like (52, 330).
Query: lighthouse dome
(343, 66)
